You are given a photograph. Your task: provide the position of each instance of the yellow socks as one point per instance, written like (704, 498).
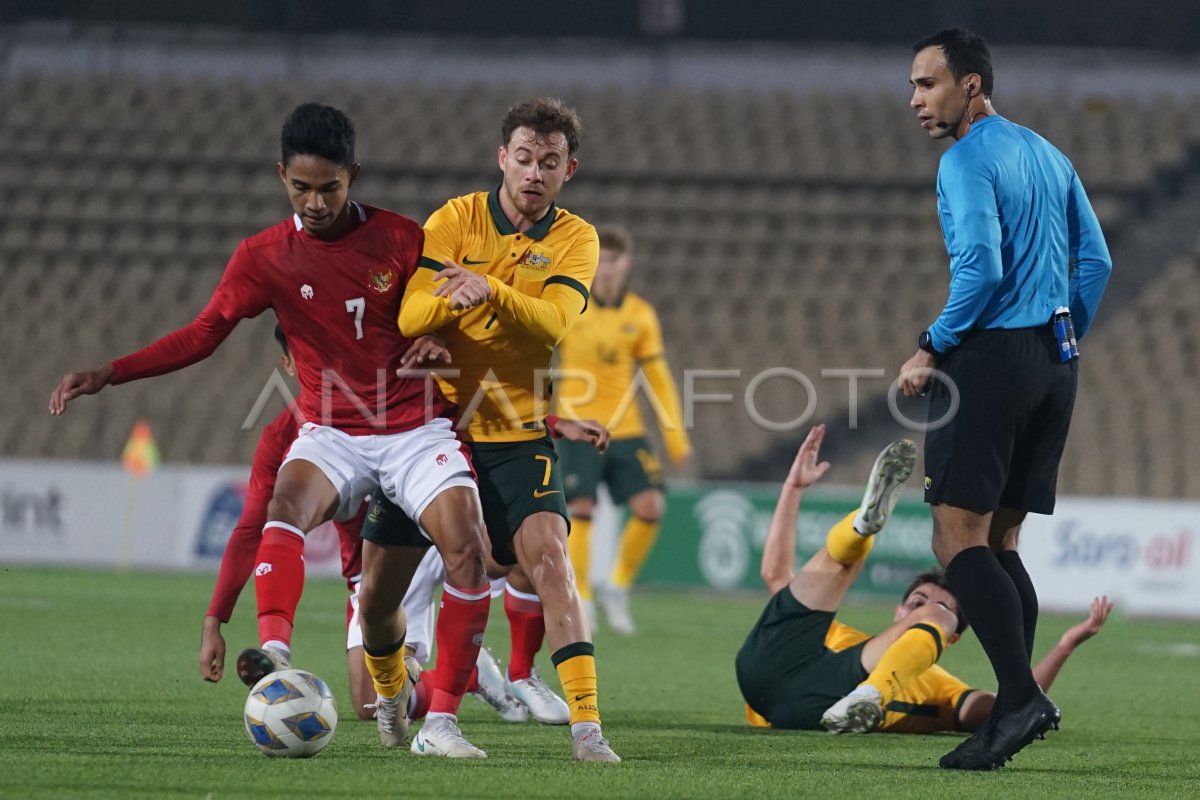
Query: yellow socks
(576, 666)
(917, 649)
(579, 548)
(637, 540)
(387, 668)
(845, 544)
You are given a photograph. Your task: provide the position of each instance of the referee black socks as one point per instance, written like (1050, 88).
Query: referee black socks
(991, 602)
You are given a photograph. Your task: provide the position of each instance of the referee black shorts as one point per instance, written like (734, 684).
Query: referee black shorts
(1002, 447)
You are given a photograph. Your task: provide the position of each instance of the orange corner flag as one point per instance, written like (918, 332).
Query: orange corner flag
(140, 455)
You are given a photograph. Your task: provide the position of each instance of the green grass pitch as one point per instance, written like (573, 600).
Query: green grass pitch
(100, 697)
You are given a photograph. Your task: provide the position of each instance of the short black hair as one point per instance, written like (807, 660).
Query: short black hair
(282, 339)
(937, 578)
(316, 130)
(544, 116)
(965, 52)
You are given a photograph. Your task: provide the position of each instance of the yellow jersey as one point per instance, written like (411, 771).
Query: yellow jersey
(928, 704)
(598, 372)
(501, 349)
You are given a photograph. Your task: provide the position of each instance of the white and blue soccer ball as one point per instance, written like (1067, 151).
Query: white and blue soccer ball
(291, 713)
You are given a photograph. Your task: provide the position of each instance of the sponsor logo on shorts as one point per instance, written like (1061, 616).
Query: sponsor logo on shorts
(539, 494)
(306, 292)
(928, 482)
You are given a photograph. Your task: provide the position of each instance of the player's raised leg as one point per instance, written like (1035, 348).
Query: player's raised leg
(848, 544)
(541, 548)
(822, 582)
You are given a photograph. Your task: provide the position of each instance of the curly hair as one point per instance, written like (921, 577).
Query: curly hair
(544, 116)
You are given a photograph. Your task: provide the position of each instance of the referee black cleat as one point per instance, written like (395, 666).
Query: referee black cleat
(969, 748)
(1005, 735)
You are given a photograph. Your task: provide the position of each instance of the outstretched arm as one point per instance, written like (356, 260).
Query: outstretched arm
(239, 295)
(978, 705)
(1047, 669)
(779, 550)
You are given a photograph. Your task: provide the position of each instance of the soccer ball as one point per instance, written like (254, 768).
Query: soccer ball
(290, 713)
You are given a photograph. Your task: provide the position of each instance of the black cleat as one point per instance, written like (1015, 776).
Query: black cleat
(254, 664)
(1004, 735)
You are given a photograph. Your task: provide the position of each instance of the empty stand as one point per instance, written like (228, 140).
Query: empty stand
(773, 230)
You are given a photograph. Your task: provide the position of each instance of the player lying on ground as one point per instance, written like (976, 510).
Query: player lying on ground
(334, 273)
(615, 347)
(520, 691)
(801, 668)
(238, 560)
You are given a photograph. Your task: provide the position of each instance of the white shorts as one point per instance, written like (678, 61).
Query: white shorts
(412, 468)
(353, 628)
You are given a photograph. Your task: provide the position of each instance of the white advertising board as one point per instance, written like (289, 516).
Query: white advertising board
(1141, 553)
(80, 513)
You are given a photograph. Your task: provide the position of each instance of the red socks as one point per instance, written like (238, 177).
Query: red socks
(528, 628)
(460, 626)
(278, 581)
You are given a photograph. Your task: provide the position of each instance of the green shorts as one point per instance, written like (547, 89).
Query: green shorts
(388, 525)
(785, 671)
(628, 466)
(516, 480)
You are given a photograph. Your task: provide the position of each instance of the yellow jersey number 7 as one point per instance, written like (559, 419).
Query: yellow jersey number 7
(539, 493)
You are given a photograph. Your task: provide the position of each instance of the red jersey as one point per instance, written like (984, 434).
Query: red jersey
(338, 302)
(238, 561)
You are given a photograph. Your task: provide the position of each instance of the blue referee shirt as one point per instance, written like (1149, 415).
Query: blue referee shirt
(1021, 234)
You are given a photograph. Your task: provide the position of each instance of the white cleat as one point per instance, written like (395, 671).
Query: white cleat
(440, 736)
(391, 713)
(493, 691)
(891, 470)
(615, 602)
(590, 745)
(545, 706)
(861, 711)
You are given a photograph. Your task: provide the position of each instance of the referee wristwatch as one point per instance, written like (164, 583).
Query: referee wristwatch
(925, 342)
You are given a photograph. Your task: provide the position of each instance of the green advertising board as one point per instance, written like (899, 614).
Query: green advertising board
(712, 536)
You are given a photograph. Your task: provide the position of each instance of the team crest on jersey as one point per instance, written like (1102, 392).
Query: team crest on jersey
(382, 281)
(535, 264)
